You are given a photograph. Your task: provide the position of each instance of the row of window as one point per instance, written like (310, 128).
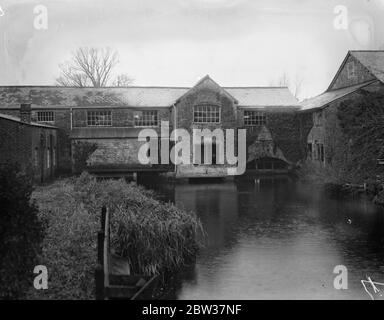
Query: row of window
(149, 118)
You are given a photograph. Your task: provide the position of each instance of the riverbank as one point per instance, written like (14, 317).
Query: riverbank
(155, 237)
(338, 184)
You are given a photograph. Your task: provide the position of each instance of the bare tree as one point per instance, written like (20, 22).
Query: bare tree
(122, 80)
(294, 84)
(88, 67)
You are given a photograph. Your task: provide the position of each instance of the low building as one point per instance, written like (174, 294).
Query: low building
(111, 119)
(360, 75)
(30, 144)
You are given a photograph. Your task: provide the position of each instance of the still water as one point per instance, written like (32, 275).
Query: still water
(273, 238)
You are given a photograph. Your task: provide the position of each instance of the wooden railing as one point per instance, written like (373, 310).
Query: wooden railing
(114, 285)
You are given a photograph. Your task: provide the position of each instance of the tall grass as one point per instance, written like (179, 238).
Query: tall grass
(155, 237)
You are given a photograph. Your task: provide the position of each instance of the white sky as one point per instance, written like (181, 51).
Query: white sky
(176, 42)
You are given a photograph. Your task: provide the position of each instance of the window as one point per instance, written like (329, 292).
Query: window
(48, 158)
(99, 118)
(309, 149)
(54, 157)
(148, 118)
(254, 118)
(319, 152)
(206, 114)
(45, 116)
(351, 70)
(36, 157)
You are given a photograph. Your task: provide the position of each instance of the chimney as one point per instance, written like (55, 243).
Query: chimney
(25, 112)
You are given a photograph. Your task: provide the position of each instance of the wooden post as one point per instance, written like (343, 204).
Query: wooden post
(100, 248)
(99, 281)
(103, 213)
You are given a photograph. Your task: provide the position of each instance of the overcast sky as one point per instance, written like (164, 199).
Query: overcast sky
(176, 42)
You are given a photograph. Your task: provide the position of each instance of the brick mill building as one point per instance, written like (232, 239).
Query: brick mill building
(360, 75)
(100, 126)
(111, 118)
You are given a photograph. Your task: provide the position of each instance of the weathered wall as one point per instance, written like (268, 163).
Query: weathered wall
(361, 75)
(27, 145)
(115, 152)
(206, 92)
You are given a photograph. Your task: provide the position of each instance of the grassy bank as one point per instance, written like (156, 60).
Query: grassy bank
(155, 237)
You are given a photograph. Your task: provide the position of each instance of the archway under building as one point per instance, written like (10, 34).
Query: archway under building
(268, 165)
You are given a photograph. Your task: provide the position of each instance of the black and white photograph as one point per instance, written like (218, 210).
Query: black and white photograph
(218, 151)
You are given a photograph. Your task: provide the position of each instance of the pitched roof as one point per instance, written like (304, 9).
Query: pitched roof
(17, 119)
(264, 96)
(329, 96)
(208, 79)
(151, 97)
(372, 60)
(72, 96)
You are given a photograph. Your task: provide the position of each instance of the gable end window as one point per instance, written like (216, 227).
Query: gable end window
(254, 118)
(147, 118)
(45, 116)
(206, 114)
(99, 118)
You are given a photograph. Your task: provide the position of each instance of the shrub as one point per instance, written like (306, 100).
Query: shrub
(318, 174)
(21, 232)
(82, 151)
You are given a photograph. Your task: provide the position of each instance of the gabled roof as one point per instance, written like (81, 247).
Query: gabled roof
(139, 97)
(207, 79)
(372, 60)
(17, 119)
(327, 97)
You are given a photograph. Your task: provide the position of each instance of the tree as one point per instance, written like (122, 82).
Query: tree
(293, 84)
(122, 80)
(21, 232)
(90, 67)
(362, 124)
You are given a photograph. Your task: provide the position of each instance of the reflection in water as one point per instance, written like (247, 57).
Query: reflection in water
(278, 239)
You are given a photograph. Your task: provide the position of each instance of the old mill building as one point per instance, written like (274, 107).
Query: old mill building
(281, 132)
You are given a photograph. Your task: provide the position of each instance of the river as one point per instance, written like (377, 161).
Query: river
(275, 238)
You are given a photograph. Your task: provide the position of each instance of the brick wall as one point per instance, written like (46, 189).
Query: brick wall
(22, 143)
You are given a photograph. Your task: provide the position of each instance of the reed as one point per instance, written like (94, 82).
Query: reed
(154, 236)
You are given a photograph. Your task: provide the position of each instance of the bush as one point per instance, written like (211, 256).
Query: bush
(21, 233)
(82, 151)
(320, 175)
